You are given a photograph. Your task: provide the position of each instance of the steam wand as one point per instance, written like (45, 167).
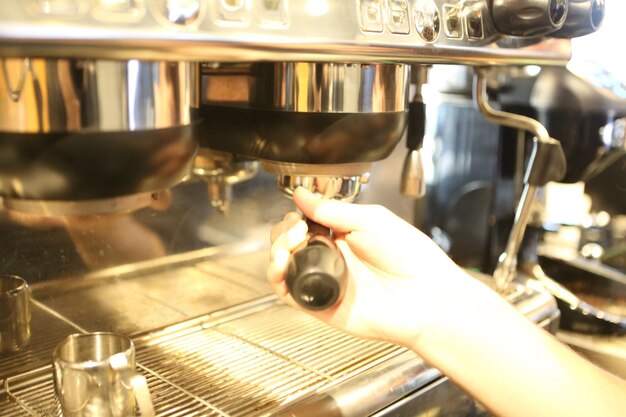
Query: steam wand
(547, 163)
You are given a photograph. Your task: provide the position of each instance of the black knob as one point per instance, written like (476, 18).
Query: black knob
(316, 275)
(584, 17)
(528, 18)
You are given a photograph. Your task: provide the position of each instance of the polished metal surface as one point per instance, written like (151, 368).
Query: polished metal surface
(78, 95)
(442, 395)
(15, 314)
(81, 208)
(413, 182)
(325, 170)
(336, 188)
(364, 31)
(329, 87)
(94, 375)
(83, 130)
(147, 301)
(303, 113)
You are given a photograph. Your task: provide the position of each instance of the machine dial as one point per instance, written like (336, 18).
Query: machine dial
(584, 17)
(427, 20)
(179, 12)
(528, 18)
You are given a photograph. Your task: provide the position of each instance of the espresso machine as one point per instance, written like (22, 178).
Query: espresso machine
(140, 146)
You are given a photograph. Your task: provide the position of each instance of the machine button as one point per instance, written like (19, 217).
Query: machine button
(427, 20)
(119, 10)
(68, 8)
(180, 12)
(272, 5)
(453, 22)
(398, 11)
(234, 11)
(274, 13)
(372, 15)
(474, 24)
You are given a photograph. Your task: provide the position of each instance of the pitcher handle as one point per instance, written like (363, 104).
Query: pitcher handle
(139, 385)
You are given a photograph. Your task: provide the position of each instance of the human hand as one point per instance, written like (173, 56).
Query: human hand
(396, 275)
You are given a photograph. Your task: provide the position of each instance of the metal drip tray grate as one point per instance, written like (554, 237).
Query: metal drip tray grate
(46, 332)
(35, 393)
(211, 343)
(250, 362)
(247, 373)
(314, 346)
(10, 408)
(223, 348)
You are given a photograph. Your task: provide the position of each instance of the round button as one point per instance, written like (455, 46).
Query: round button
(180, 12)
(597, 13)
(427, 20)
(558, 11)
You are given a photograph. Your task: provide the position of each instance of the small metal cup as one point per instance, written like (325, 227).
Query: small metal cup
(14, 313)
(95, 376)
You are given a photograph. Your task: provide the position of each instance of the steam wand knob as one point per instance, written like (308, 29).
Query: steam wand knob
(316, 274)
(528, 18)
(584, 17)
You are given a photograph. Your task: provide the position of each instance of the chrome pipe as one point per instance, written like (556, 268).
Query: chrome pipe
(507, 262)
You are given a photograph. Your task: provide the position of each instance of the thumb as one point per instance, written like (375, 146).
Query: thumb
(336, 215)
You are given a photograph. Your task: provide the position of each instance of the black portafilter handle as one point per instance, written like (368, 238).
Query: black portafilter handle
(316, 274)
(528, 18)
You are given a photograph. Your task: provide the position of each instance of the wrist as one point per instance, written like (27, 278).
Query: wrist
(459, 307)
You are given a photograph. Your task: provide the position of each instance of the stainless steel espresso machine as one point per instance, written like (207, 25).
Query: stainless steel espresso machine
(140, 142)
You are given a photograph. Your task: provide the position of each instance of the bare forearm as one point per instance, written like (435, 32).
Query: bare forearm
(513, 367)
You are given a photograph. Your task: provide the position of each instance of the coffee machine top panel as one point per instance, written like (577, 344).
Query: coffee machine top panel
(409, 31)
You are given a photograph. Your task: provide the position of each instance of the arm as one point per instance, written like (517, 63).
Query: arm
(404, 289)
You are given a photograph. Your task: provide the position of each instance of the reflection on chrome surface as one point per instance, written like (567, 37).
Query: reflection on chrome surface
(64, 95)
(180, 220)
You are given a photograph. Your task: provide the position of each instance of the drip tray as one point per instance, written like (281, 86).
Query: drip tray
(246, 366)
(33, 394)
(237, 363)
(212, 341)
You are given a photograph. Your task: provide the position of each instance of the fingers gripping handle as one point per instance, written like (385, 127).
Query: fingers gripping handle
(316, 275)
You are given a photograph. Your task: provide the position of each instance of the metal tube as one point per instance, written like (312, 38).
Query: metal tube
(507, 262)
(504, 118)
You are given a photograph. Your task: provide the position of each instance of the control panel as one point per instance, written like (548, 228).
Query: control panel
(429, 31)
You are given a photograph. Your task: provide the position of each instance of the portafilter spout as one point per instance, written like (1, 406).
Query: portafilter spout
(413, 182)
(221, 171)
(317, 273)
